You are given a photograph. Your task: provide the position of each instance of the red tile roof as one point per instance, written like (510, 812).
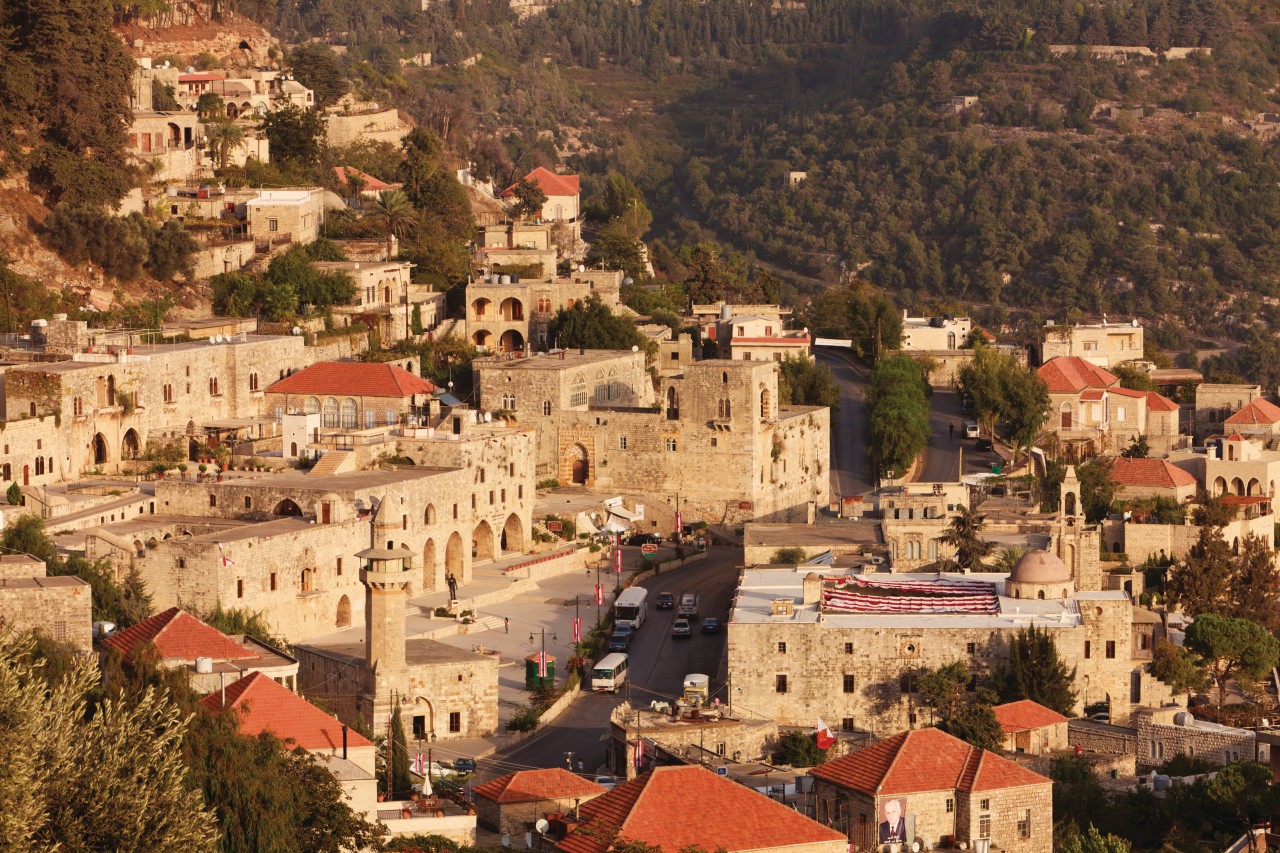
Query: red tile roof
(924, 760)
(1149, 472)
(1258, 411)
(1025, 715)
(528, 786)
(1160, 403)
(353, 378)
(1070, 374)
(371, 184)
(177, 635)
(1128, 392)
(550, 182)
(265, 706)
(678, 807)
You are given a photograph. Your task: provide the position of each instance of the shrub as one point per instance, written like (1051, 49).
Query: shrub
(525, 719)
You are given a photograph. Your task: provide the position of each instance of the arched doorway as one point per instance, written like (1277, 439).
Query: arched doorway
(1237, 486)
(344, 613)
(512, 535)
(481, 339)
(482, 542)
(511, 309)
(511, 341)
(287, 507)
(131, 447)
(1064, 416)
(99, 449)
(1255, 487)
(429, 565)
(579, 464)
(1219, 487)
(453, 556)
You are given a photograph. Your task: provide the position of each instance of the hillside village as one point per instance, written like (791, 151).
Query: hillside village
(360, 529)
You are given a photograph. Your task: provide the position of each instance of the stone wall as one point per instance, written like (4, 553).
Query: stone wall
(219, 259)
(378, 126)
(1020, 819)
(515, 819)
(1098, 737)
(1160, 738)
(60, 607)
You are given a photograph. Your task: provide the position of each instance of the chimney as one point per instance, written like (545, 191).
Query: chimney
(812, 588)
(344, 741)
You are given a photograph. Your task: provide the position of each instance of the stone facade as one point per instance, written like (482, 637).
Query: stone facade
(60, 607)
(292, 216)
(712, 733)
(171, 138)
(1165, 732)
(1104, 344)
(364, 123)
(507, 315)
(934, 333)
(1217, 402)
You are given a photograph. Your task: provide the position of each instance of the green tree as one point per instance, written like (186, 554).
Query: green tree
(1201, 581)
(317, 67)
(293, 134)
(1245, 790)
(1232, 647)
(529, 198)
(171, 252)
(624, 203)
(1137, 449)
(1097, 491)
(223, 137)
(590, 324)
(400, 780)
(1094, 841)
(14, 494)
(1177, 667)
(1036, 671)
(210, 106)
(995, 388)
(393, 213)
(976, 724)
(787, 557)
(898, 414)
(25, 535)
(945, 688)
(613, 248)
(805, 382)
(110, 779)
(800, 749)
(963, 534)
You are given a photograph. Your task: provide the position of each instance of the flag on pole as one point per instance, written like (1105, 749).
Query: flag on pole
(419, 765)
(639, 752)
(825, 738)
(599, 593)
(577, 629)
(226, 561)
(542, 664)
(617, 560)
(679, 524)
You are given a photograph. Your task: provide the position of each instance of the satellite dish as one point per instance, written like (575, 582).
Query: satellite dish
(635, 348)
(297, 330)
(488, 417)
(542, 826)
(1134, 322)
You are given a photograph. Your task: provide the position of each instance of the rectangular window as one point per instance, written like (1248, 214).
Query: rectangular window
(984, 826)
(520, 492)
(419, 726)
(273, 224)
(671, 445)
(713, 441)
(1024, 824)
(248, 502)
(455, 721)
(951, 805)
(502, 496)
(848, 683)
(848, 648)
(1111, 649)
(782, 648)
(1088, 648)
(780, 683)
(339, 567)
(846, 724)
(239, 589)
(622, 442)
(985, 805)
(491, 497)
(213, 500)
(273, 581)
(970, 647)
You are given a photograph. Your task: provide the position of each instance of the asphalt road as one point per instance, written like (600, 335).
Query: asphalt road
(942, 455)
(658, 666)
(850, 467)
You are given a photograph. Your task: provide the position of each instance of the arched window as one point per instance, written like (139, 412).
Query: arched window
(546, 408)
(765, 411)
(430, 515)
(578, 391)
(370, 418)
(329, 417)
(349, 414)
(613, 383)
(313, 406)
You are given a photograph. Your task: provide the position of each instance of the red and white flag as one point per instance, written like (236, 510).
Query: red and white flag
(617, 560)
(577, 629)
(679, 525)
(542, 664)
(226, 561)
(419, 764)
(599, 593)
(825, 738)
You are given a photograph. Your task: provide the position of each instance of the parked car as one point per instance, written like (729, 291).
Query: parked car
(711, 625)
(464, 765)
(642, 539)
(970, 429)
(1101, 717)
(607, 782)
(666, 601)
(620, 640)
(681, 628)
(983, 444)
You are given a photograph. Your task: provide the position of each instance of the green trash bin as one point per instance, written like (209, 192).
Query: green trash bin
(532, 681)
(995, 468)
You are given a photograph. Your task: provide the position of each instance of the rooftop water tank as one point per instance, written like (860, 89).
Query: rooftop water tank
(204, 666)
(1159, 782)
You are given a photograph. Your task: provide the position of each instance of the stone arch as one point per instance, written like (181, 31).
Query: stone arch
(1219, 486)
(1069, 503)
(329, 413)
(480, 308)
(312, 406)
(511, 309)
(454, 558)
(233, 110)
(766, 405)
(1254, 487)
(1040, 595)
(1237, 486)
(1064, 416)
(343, 618)
(131, 447)
(577, 462)
(481, 338)
(349, 414)
(429, 515)
(429, 565)
(429, 718)
(111, 390)
(482, 544)
(99, 449)
(287, 507)
(511, 341)
(512, 535)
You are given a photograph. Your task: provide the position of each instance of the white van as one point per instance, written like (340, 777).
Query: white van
(688, 606)
(610, 673)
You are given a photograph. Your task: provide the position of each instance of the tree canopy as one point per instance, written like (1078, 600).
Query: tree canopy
(1232, 647)
(590, 324)
(1037, 672)
(898, 414)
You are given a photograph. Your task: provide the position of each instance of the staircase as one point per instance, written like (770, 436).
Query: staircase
(333, 462)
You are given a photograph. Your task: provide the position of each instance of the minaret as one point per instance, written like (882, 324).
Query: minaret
(386, 575)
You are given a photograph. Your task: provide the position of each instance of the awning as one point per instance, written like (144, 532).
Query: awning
(585, 524)
(615, 526)
(622, 513)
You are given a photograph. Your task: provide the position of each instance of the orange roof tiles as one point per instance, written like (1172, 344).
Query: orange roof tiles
(1128, 392)
(1160, 403)
(924, 760)
(371, 184)
(550, 182)
(678, 807)
(177, 635)
(357, 379)
(1258, 411)
(265, 706)
(1025, 714)
(528, 786)
(1070, 374)
(1149, 472)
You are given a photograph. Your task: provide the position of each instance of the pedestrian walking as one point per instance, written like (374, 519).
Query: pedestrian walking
(951, 431)
(506, 625)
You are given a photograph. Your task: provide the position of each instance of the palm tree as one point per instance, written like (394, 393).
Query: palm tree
(223, 136)
(394, 213)
(962, 535)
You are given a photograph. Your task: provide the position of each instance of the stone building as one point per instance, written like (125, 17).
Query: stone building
(1258, 419)
(514, 803)
(211, 658)
(351, 121)
(502, 248)
(1031, 727)
(1104, 344)
(1151, 478)
(282, 544)
(696, 735)
(678, 808)
(445, 692)
(929, 787)
(30, 600)
(934, 333)
(508, 314)
(562, 192)
(287, 216)
(757, 337)
(348, 395)
(717, 439)
(848, 647)
(108, 403)
(1092, 414)
(171, 139)
(1217, 402)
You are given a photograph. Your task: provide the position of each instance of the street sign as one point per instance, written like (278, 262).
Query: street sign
(555, 526)
(722, 771)
(649, 550)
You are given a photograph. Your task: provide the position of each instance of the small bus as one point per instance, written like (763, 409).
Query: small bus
(609, 673)
(629, 608)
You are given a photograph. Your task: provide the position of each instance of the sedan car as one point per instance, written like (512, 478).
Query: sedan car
(464, 765)
(711, 625)
(665, 601)
(681, 628)
(642, 539)
(620, 640)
